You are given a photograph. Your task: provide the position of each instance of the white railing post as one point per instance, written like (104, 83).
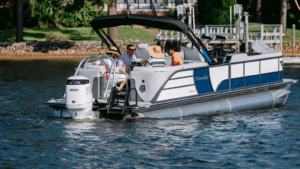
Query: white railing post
(261, 33)
(280, 36)
(234, 31)
(166, 35)
(159, 34)
(178, 37)
(274, 32)
(172, 33)
(206, 30)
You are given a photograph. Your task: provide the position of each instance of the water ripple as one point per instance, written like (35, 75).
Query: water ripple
(32, 138)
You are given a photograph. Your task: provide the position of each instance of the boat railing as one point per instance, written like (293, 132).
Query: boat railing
(112, 72)
(107, 85)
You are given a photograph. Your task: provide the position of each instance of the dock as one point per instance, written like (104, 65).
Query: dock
(291, 61)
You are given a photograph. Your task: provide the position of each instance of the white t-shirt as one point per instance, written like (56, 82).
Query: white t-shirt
(119, 77)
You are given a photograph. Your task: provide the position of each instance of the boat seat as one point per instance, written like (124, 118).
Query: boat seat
(142, 52)
(192, 53)
(157, 62)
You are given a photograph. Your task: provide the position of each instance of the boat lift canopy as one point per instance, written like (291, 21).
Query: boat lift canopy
(160, 22)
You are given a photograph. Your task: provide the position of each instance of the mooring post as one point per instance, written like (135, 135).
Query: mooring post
(246, 14)
(294, 40)
(230, 23)
(261, 33)
(280, 36)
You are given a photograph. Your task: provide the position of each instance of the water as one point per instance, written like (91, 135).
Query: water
(31, 137)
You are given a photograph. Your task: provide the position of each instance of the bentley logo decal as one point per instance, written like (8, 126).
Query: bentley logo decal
(201, 78)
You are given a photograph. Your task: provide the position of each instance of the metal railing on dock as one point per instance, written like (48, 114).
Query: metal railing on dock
(265, 33)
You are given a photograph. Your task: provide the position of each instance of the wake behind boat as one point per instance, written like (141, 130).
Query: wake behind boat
(236, 82)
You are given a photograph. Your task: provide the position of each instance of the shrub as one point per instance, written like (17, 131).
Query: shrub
(57, 38)
(58, 13)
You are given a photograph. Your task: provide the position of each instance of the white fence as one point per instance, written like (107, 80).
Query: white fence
(271, 34)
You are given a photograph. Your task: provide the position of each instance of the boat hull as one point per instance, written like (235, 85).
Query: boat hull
(255, 101)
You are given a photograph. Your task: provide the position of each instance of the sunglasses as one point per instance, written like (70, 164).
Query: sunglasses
(132, 50)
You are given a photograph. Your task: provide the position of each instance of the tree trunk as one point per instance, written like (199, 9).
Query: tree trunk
(165, 3)
(19, 35)
(258, 11)
(283, 14)
(113, 32)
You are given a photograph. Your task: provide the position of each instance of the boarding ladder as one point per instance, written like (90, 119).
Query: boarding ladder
(118, 103)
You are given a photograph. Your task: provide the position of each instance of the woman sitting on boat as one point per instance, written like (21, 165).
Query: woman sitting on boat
(113, 52)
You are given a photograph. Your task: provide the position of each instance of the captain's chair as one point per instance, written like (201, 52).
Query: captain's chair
(192, 53)
(142, 52)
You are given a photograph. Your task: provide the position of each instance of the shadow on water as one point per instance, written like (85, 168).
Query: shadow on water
(32, 137)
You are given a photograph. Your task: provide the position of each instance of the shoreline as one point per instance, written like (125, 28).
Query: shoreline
(29, 56)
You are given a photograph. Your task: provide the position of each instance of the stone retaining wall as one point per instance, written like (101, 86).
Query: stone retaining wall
(64, 47)
(92, 47)
(288, 47)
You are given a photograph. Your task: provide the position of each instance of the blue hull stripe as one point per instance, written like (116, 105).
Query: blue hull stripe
(202, 81)
(224, 85)
(237, 83)
(252, 80)
(268, 78)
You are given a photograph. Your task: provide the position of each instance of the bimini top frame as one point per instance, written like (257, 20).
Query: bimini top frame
(160, 22)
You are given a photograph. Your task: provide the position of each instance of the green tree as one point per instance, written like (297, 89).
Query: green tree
(251, 7)
(215, 11)
(51, 13)
(113, 32)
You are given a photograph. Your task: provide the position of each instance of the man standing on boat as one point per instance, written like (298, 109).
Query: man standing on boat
(125, 60)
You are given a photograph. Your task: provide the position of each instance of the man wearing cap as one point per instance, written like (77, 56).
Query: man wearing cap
(176, 58)
(126, 59)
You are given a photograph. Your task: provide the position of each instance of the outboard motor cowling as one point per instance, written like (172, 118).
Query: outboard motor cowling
(79, 98)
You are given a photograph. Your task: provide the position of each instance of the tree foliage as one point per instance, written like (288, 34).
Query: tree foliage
(215, 11)
(54, 13)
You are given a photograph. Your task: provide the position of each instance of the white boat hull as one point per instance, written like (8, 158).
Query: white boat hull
(262, 100)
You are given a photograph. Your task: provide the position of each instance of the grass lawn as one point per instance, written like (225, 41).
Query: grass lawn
(76, 34)
(83, 34)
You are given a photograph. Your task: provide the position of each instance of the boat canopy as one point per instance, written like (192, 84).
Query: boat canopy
(160, 22)
(145, 20)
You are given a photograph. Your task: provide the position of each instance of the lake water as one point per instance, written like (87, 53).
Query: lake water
(31, 137)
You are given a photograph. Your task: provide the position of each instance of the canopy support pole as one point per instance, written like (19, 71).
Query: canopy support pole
(192, 37)
(111, 41)
(102, 38)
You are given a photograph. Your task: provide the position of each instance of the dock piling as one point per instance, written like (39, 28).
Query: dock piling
(294, 40)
